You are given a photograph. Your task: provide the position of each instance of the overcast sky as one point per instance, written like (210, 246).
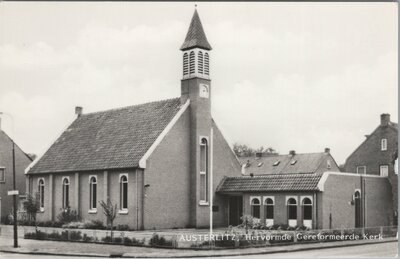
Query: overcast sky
(301, 76)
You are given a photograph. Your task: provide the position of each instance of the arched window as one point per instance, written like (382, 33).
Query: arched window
(65, 201)
(269, 208)
(307, 209)
(185, 64)
(41, 194)
(203, 170)
(93, 193)
(191, 63)
(206, 64)
(123, 192)
(255, 207)
(200, 62)
(292, 209)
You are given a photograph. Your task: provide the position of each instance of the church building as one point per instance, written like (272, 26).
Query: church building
(158, 161)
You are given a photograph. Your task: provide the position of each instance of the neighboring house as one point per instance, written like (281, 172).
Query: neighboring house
(289, 164)
(22, 160)
(377, 155)
(154, 160)
(331, 200)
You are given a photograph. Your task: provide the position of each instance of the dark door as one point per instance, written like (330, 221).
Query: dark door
(235, 210)
(357, 203)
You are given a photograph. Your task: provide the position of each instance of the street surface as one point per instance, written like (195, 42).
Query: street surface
(383, 250)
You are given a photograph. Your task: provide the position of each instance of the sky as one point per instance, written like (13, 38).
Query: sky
(291, 76)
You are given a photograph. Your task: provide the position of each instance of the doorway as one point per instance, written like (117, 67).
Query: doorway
(235, 210)
(357, 203)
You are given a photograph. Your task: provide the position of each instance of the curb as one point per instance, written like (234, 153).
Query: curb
(229, 252)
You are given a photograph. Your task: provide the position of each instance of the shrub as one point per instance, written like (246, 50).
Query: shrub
(106, 239)
(41, 235)
(156, 240)
(74, 225)
(75, 235)
(127, 241)
(30, 235)
(94, 224)
(67, 215)
(123, 227)
(117, 240)
(86, 238)
(55, 236)
(64, 235)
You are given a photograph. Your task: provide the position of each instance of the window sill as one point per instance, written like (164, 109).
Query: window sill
(92, 211)
(123, 212)
(204, 203)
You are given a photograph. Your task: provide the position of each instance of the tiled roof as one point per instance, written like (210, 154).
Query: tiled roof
(110, 139)
(305, 163)
(195, 36)
(270, 183)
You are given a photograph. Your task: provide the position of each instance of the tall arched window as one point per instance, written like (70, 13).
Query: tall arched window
(206, 64)
(41, 194)
(200, 62)
(65, 201)
(203, 170)
(255, 207)
(123, 192)
(307, 209)
(191, 63)
(292, 210)
(93, 193)
(185, 64)
(269, 211)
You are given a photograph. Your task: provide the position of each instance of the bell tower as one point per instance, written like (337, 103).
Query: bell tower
(196, 86)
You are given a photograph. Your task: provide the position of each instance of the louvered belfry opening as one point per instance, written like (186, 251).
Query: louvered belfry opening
(192, 69)
(185, 64)
(200, 62)
(206, 64)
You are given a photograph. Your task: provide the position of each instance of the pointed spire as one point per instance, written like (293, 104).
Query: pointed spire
(195, 36)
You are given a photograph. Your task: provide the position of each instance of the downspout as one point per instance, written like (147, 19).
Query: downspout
(137, 199)
(365, 204)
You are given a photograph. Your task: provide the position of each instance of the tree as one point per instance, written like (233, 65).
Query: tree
(32, 207)
(242, 150)
(110, 211)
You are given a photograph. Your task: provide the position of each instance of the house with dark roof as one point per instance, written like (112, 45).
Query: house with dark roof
(377, 155)
(159, 161)
(22, 160)
(291, 163)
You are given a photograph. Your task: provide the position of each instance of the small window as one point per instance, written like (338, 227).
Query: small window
(93, 193)
(203, 170)
(65, 195)
(276, 163)
(269, 208)
(293, 162)
(384, 144)
(255, 207)
(292, 208)
(384, 170)
(2, 175)
(307, 209)
(362, 169)
(41, 194)
(123, 192)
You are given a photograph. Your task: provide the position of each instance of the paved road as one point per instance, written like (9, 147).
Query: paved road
(374, 250)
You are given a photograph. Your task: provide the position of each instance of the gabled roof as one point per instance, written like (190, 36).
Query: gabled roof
(111, 139)
(4, 138)
(195, 36)
(305, 163)
(270, 183)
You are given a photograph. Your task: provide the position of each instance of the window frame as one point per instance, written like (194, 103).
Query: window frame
(384, 144)
(123, 210)
(41, 193)
(295, 198)
(92, 209)
(361, 166)
(380, 170)
(303, 198)
(265, 198)
(204, 174)
(252, 198)
(3, 169)
(65, 192)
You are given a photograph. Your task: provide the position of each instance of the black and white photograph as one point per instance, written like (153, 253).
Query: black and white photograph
(198, 129)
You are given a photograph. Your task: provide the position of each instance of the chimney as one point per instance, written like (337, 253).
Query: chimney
(327, 150)
(78, 110)
(259, 154)
(385, 119)
(292, 152)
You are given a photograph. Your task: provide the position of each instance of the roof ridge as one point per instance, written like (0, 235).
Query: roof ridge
(277, 174)
(131, 106)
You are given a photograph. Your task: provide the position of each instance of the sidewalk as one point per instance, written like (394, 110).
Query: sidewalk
(28, 246)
